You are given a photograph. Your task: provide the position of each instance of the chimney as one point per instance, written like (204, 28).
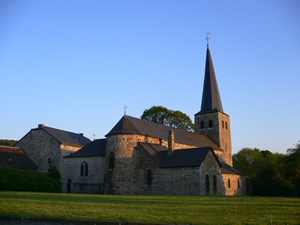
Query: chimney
(41, 125)
(81, 134)
(171, 142)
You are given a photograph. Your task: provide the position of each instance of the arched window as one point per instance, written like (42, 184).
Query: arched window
(149, 178)
(222, 124)
(81, 170)
(111, 161)
(226, 125)
(207, 184)
(215, 184)
(202, 125)
(210, 124)
(84, 169)
(228, 183)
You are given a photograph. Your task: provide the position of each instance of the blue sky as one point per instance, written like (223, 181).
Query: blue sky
(73, 65)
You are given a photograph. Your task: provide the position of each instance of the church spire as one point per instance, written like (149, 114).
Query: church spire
(211, 100)
(211, 121)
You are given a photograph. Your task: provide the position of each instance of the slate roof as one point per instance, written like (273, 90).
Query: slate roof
(226, 169)
(94, 148)
(131, 125)
(211, 100)
(15, 157)
(179, 158)
(64, 137)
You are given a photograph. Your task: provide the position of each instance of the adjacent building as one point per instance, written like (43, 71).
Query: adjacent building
(14, 157)
(46, 146)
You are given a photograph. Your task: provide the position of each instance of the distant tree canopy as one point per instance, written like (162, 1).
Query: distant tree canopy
(172, 118)
(7, 142)
(271, 174)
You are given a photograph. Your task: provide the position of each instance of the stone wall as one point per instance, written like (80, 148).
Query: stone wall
(235, 184)
(92, 183)
(129, 175)
(225, 137)
(41, 148)
(219, 131)
(210, 167)
(67, 150)
(166, 181)
(44, 150)
(122, 178)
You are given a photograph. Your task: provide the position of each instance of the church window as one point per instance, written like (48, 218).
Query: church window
(207, 184)
(111, 161)
(202, 125)
(222, 124)
(239, 184)
(226, 125)
(81, 170)
(228, 183)
(210, 124)
(149, 178)
(215, 184)
(84, 169)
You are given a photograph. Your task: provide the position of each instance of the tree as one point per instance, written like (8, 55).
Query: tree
(271, 174)
(292, 168)
(172, 118)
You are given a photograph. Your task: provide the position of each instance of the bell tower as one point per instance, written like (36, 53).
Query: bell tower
(211, 121)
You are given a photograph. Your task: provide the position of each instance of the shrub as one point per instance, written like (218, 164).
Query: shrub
(27, 180)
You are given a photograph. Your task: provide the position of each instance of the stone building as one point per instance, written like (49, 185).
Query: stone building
(16, 158)
(47, 146)
(141, 157)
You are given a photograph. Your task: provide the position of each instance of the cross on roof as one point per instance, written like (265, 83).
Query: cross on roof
(125, 107)
(207, 37)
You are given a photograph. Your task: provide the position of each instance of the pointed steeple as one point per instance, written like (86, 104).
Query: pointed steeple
(211, 100)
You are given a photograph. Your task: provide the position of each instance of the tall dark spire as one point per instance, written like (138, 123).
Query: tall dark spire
(211, 100)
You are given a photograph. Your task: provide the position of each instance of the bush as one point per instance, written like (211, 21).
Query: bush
(27, 180)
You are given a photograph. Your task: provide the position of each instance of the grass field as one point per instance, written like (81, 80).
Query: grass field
(152, 209)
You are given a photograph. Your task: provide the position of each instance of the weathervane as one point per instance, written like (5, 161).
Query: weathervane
(125, 107)
(207, 37)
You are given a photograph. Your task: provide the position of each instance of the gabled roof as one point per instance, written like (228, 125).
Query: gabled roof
(179, 158)
(94, 148)
(64, 137)
(211, 100)
(131, 125)
(15, 157)
(226, 169)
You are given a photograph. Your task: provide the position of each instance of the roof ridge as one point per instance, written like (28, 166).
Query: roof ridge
(56, 129)
(144, 127)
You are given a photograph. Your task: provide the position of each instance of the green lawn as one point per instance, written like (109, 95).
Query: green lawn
(152, 209)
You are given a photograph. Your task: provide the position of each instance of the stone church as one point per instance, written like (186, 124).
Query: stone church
(139, 157)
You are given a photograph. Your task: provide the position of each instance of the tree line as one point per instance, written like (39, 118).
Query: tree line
(272, 174)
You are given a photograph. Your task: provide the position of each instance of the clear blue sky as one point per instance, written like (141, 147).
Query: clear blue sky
(73, 65)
